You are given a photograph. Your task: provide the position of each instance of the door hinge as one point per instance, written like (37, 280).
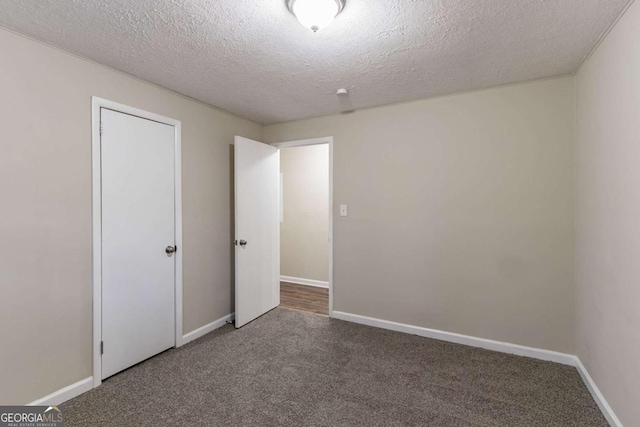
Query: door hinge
(101, 347)
(100, 128)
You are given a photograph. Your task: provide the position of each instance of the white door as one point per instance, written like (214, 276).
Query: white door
(138, 234)
(257, 223)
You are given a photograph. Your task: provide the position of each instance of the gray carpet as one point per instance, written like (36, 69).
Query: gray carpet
(290, 368)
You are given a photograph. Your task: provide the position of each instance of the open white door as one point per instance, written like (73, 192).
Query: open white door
(257, 224)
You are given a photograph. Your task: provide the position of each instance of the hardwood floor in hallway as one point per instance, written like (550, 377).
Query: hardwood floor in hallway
(304, 298)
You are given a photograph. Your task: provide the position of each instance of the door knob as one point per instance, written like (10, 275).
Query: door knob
(170, 249)
(243, 243)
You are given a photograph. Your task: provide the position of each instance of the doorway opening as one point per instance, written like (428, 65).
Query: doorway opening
(257, 207)
(304, 228)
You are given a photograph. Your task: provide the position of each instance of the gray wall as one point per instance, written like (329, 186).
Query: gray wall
(45, 219)
(304, 233)
(460, 212)
(608, 217)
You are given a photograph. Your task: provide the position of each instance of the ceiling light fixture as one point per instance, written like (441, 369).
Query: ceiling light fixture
(315, 14)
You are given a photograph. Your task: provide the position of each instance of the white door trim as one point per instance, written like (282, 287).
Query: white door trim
(96, 224)
(318, 141)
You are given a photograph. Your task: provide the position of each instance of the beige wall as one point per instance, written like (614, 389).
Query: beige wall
(608, 215)
(304, 233)
(460, 212)
(45, 214)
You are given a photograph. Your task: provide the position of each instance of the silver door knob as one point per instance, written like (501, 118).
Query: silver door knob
(170, 249)
(243, 243)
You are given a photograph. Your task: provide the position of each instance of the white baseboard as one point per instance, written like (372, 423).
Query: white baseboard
(308, 282)
(76, 389)
(597, 395)
(65, 393)
(69, 392)
(194, 335)
(503, 347)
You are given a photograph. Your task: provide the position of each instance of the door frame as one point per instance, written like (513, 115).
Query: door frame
(321, 141)
(96, 222)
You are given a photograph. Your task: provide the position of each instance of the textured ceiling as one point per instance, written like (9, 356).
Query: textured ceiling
(253, 58)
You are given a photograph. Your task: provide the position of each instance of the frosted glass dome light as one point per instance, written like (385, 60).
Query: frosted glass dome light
(315, 14)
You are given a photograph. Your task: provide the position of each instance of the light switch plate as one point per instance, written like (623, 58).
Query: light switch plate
(344, 210)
